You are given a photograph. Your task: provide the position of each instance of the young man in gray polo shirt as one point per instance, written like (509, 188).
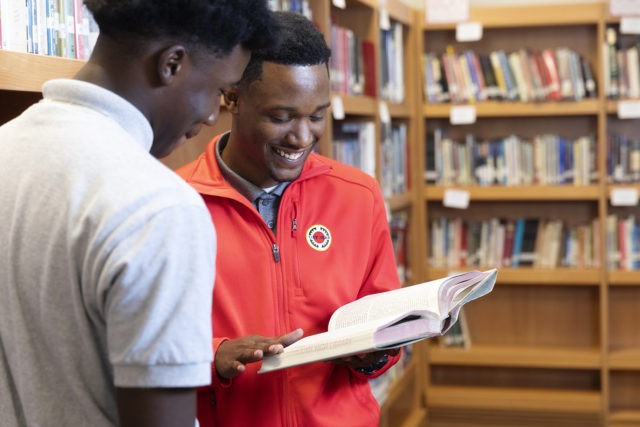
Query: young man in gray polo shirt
(106, 268)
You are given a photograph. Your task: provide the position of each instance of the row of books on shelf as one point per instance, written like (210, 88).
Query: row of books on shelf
(298, 6)
(547, 159)
(394, 167)
(353, 63)
(522, 242)
(623, 161)
(623, 242)
(353, 143)
(354, 68)
(621, 66)
(399, 228)
(392, 63)
(62, 28)
(524, 75)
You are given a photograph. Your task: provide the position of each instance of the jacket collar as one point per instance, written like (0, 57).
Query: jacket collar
(207, 178)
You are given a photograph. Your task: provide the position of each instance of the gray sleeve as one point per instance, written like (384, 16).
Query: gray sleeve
(157, 304)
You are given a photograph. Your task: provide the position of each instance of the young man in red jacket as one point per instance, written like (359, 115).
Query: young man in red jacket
(299, 235)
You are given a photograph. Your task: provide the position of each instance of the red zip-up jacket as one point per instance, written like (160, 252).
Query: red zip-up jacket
(332, 246)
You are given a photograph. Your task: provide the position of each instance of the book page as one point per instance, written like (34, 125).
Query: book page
(462, 293)
(423, 297)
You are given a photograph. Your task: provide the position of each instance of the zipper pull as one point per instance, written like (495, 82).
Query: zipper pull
(294, 227)
(276, 253)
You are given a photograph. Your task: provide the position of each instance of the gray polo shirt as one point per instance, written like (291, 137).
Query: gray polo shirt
(107, 262)
(266, 201)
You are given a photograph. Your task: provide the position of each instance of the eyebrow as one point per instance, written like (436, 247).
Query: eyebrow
(286, 108)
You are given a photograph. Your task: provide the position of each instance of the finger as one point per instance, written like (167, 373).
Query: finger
(274, 349)
(291, 337)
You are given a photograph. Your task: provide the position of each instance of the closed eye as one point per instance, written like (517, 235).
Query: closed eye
(280, 119)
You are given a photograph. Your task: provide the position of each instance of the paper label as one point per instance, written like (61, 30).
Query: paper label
(462, 115)
(385, 22)
(628, 109)
(342, 4)
(337, 108)
(383, 108)
(624, 197)
(446, 11)
(629, 25)
(469, 32)
(457, 199)
(624, 7)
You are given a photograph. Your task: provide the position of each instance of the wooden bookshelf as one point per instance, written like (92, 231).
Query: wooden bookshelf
(549, 346)
(404, 404)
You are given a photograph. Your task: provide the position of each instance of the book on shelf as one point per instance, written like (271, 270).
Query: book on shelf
(369, 64)
(458, 334)
(354, 144)
(388, 320)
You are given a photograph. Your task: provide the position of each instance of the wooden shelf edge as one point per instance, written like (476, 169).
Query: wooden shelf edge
(562, 401)
(611, 106)
(530, 276)
(624, 418)
(518, 109)
(514, 356)
(521, 192)
(400, 201)
(358, 105)
(400, 12)
(624, 278)
(624, 359)
(402, 111)
(27, 71)
(527, 16)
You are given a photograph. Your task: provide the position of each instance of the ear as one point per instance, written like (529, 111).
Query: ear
(170, 62)
(231, 100)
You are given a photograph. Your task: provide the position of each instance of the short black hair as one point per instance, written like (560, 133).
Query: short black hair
(299, 42)
(217, 25)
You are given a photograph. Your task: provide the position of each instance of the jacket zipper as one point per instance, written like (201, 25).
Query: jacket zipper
(276, 252)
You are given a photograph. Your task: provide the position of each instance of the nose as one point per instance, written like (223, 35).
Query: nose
(301, 135)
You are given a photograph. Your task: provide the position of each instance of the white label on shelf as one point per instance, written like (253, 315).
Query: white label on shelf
(385, 22)
(468, 31)
(630, 25)
(624, 7)
(337, 108)
(443, 11)
(342, 4)
(457, 199)
(628, 109)
(624, 196)
(383, 108)
(462, 115)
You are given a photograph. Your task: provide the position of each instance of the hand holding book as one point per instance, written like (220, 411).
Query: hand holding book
(388, 320)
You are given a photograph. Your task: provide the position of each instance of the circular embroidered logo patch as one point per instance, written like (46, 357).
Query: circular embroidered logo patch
(319, 237)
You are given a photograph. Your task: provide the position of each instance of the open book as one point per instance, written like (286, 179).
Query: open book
(388, 320)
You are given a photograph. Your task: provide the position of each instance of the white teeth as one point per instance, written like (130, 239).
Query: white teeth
(289, 156)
